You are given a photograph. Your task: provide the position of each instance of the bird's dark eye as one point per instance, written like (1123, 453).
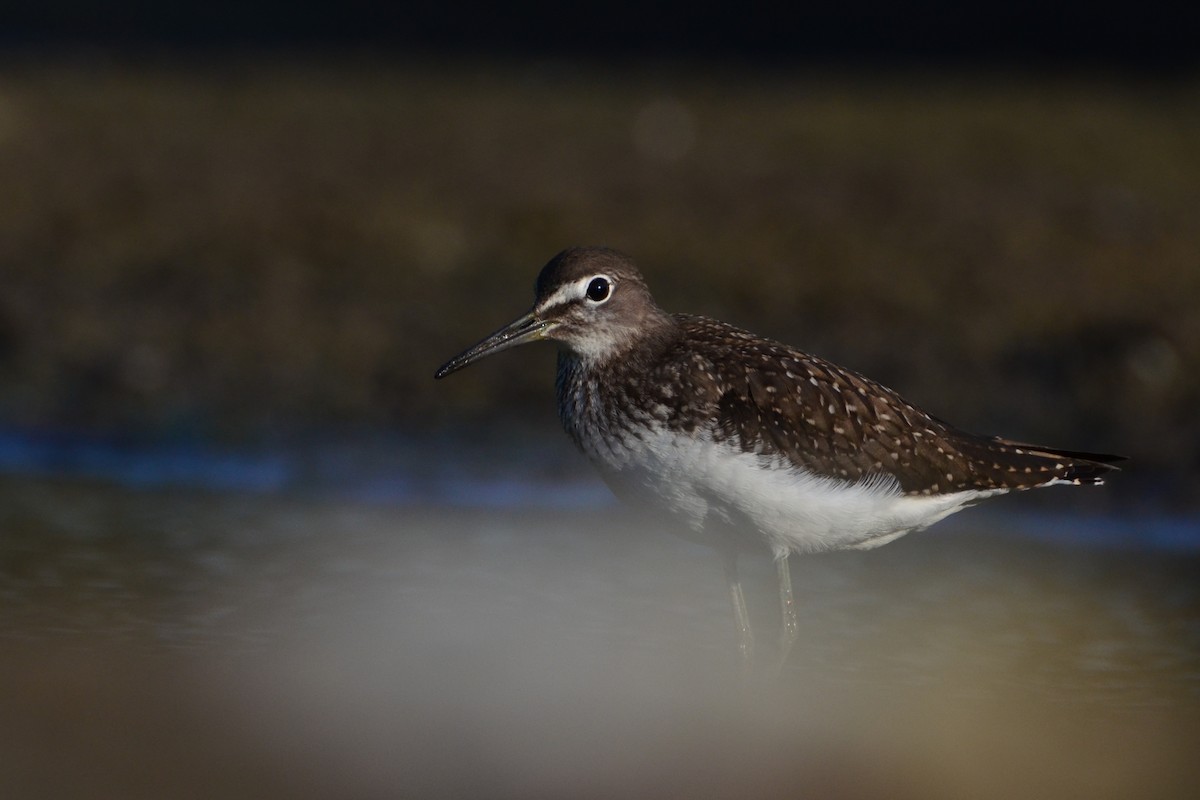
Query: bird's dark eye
(598, 289)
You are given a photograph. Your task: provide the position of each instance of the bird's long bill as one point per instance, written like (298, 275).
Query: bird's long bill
(528, 328)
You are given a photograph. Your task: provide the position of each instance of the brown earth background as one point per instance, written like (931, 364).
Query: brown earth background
(256, 247)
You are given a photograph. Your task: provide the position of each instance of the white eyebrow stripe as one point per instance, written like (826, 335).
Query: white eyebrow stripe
(565, 294)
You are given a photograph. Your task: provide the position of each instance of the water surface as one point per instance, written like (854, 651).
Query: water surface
(176, 641)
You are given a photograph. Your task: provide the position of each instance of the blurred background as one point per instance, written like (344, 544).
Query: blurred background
(240, 524)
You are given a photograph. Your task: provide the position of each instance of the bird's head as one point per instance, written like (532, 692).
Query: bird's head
(592, 300)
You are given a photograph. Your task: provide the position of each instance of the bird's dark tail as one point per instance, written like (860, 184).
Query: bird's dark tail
(1058, 466)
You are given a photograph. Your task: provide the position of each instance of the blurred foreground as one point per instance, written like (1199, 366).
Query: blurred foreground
(190, 644)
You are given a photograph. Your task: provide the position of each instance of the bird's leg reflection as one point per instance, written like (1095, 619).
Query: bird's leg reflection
(740, 614)
(788, 627)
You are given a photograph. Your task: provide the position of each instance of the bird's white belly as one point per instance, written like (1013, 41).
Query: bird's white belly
(698, 480)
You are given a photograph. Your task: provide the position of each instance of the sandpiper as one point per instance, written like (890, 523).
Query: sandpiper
(742, 438)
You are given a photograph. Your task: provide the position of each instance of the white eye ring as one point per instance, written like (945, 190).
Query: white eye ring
(599, 289)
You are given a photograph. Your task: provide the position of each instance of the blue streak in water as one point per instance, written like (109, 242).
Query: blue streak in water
(56, 455)
(399, 473)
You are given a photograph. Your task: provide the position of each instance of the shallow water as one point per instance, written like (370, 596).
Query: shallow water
(177, 642)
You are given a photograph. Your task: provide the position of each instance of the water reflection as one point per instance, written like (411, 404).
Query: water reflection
(286, 644)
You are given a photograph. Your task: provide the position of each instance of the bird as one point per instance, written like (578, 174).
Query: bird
(742, 441)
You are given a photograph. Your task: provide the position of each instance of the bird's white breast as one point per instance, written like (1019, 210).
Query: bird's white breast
(703, 481)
